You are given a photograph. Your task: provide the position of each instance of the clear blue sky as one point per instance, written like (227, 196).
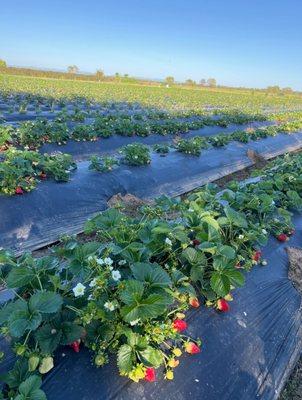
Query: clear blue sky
(238, 42)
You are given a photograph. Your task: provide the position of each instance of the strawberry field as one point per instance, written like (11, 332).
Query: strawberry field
(189, 292)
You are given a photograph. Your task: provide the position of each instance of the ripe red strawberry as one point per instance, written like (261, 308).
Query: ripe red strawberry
(19, 190)
(282, 237)
(43, 175)
(193, 301)
(192, 348)
(223, 305)
(150, 375)
(257, 255)
(180, 325)
(196, 242)
(75, 345)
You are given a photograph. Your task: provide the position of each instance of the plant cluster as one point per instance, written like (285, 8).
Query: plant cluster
(136, 154)
(192, 146)
(161, 149)
(21, 170)
(128, 286)
(102, 164)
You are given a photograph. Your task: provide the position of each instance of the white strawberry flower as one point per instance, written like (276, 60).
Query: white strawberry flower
(240, 237)
(264, 231)
(116, 275)
(100, 261)
(93, 282)
(109, 305)
(134, 322)
(108, 261)
(168, 242)
(79, 290)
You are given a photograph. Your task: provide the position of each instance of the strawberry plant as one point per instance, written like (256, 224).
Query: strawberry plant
(78, 115)
(6, 133)
(57, 166)
(191, 146)
(83, 133)
(102, 164)
(219, 140)
(32, 134)
(136, 154)
(161, 149)
(20, 170)
(58, 132)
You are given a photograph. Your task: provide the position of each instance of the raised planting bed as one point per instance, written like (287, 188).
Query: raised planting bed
(40, 217)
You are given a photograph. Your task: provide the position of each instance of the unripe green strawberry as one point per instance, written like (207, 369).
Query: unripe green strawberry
(33, 362)
(20, 349)
(46, 365)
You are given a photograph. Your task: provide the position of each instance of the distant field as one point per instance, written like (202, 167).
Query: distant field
(171, 98)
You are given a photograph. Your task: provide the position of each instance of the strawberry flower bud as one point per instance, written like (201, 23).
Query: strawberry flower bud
(177, 352)
(169, 375)
(228, 297)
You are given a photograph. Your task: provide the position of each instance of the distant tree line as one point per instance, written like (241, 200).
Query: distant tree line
(277, 90)
(73, 72)
(210, 82)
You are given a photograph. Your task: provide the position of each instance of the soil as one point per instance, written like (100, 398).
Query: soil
(236, 176)
(128, 204)
(293, 388)
(258, 160)
(259, 163)
(295, 267)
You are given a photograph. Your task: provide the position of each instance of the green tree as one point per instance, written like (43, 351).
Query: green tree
(190, 82)
(287, 90)
(212, 82)
(73, 69)
(273, 89)
(203, 82)
(117, 77)
(100, 74)
(3, 64)
(169, 80)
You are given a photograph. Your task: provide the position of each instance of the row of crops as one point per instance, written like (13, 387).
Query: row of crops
(158, 97)
(20, 170)
(127, 287)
